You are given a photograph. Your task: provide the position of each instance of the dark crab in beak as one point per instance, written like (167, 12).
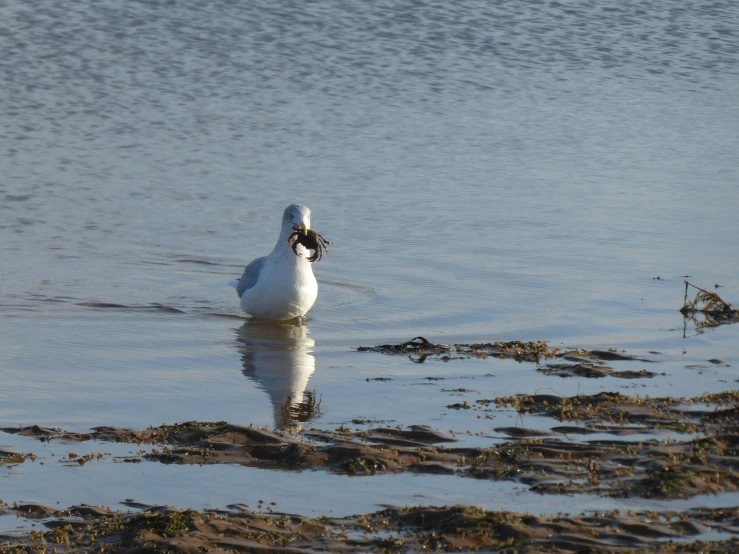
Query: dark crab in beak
(310, 240)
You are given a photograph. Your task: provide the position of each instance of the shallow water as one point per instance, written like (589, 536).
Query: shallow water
(486, 171)
(309, 492)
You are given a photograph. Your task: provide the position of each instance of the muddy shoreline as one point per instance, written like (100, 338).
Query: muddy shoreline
(456, 528)
(548, 462)
(608, 444)
(560, 460)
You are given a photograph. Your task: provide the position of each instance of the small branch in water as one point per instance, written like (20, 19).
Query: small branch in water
(715, 309)
(712, 303)
(685, 300)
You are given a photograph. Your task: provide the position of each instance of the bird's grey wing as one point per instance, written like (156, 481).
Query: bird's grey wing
(251, 275)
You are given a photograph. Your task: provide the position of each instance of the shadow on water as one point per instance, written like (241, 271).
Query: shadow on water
(277, 357)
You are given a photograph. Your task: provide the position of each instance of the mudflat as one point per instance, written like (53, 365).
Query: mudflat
(608, 444)
(456, 528)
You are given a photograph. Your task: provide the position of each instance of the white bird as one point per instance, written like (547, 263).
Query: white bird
(282, 285)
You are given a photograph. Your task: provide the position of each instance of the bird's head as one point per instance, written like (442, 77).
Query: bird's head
(296, 218)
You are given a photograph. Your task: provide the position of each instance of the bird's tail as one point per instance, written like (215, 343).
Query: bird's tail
(234, 284)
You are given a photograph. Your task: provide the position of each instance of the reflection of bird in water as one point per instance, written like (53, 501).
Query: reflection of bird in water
(277, 357)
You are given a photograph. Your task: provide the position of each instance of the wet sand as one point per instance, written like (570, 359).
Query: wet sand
(644, 447)
(561, 460)
(457, 528)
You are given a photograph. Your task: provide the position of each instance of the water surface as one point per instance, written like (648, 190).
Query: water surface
(487, 171)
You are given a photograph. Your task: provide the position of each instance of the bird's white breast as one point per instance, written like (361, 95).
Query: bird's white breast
(286, 288)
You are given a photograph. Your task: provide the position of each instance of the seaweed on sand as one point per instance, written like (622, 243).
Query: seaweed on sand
(409, 529)
(421, 347)
(715, 310)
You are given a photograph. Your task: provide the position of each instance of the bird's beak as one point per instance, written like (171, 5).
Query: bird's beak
(304, 228)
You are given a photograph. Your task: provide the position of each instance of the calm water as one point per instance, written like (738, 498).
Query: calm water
(487, 170)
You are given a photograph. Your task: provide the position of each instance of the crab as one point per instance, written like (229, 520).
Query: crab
(310, 240)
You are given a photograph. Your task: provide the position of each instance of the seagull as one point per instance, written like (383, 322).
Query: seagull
(280, 286)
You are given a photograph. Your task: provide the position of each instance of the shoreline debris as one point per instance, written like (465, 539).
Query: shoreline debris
(715, 310)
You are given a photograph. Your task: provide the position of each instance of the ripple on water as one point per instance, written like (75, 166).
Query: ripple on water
(486, 170)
